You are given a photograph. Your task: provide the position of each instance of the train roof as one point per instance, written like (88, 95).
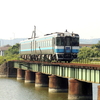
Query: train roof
(29, 39)
(55, 34)
(65, 34)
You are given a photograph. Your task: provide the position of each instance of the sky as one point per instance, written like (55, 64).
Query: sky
(18, 17)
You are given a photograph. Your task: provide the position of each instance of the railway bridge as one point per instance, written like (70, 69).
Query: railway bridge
(74, 78)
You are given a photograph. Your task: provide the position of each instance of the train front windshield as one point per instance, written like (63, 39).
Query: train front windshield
(75, 41)
(60, 41)
(63, 41)
(67, 41)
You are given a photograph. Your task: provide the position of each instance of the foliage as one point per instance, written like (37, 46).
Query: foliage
(89, 54)
(97, 46)
(8, 58)
(12, 50)
(11, 54)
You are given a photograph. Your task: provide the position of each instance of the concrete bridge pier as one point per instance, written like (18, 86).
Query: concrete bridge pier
(29, 76)
(58, 84)
(20, 74)
(41, 80)
(79, 90)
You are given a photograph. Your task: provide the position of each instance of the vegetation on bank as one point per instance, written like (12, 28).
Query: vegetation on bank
(89, 54)
(11, 54)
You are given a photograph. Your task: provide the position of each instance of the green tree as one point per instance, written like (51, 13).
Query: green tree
(85, 52)
(12, 50)
(97, 46)
(89, 52)
(11, 54)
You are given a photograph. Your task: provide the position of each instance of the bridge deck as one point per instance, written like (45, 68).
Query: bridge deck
(83, 72)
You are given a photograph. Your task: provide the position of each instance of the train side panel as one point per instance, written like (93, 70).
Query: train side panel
(44, 45)
(26, 47)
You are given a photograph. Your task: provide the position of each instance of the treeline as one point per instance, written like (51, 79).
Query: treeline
(89, 52)
(90, 55)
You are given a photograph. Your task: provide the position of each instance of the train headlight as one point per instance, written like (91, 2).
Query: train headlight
(62, 34)
(73, 34)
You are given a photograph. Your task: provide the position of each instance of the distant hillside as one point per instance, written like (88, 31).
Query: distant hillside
(89, 41)
(10, 42)
(17, 40)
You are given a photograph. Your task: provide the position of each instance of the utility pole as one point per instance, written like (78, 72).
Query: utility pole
(34, 32)
(34, 46)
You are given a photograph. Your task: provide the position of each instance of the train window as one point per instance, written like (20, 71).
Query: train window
(75, 41)
(36, 44)
(47, 43)
(50, 42)
(44, 43)
(67, 41)
(60, 41)
(41, 43)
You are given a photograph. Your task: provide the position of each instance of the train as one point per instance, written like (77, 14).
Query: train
(57, 46)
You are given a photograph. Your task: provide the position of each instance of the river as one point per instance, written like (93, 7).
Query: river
(12, 89)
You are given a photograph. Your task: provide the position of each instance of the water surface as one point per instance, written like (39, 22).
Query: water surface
(12, 89)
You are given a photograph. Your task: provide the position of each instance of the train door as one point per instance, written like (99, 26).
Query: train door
(53, 45)
(32, 47)
(67, 45)
(35, 47)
